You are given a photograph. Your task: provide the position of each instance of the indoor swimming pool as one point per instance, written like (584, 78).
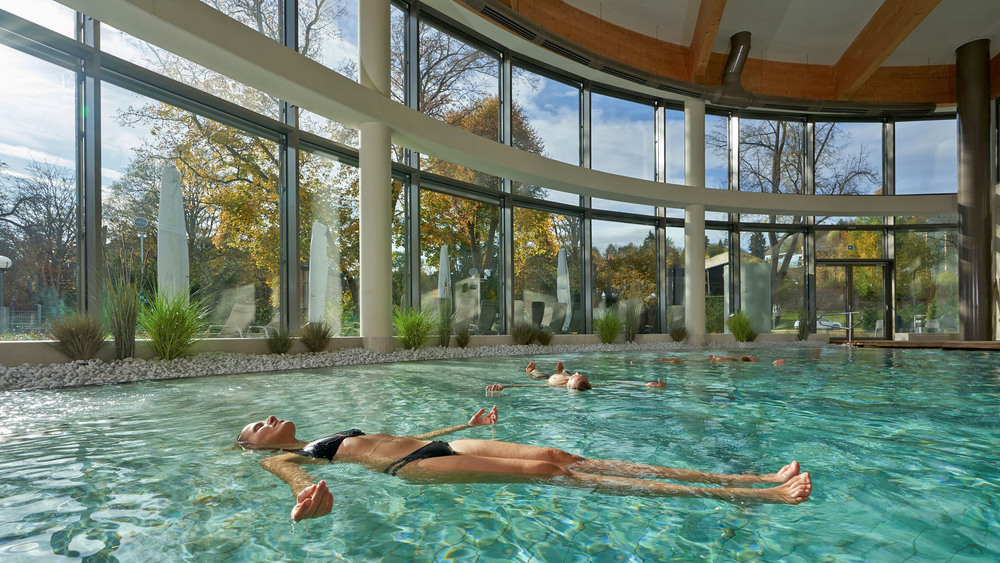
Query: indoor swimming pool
(901, 446)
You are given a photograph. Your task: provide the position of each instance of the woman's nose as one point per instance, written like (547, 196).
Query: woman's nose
(271, 419)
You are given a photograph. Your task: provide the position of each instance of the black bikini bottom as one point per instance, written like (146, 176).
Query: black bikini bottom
(434, 449)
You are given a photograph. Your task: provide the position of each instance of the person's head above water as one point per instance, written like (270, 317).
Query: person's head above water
(578, 382)
(269, 433)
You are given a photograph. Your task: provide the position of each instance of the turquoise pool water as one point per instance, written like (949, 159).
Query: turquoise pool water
(902, 447)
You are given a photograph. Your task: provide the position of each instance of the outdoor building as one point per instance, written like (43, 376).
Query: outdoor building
(292, 162)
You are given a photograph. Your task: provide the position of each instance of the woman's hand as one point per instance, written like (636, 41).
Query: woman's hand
(314, 501)
(482, 417)
(496, 387)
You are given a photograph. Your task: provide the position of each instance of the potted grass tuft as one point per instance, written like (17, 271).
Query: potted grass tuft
(121, 306)
(316, 336)
(173, 323)
(78, 335)
(413, 326)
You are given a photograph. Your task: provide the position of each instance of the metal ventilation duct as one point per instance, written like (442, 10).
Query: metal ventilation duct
(732, 93)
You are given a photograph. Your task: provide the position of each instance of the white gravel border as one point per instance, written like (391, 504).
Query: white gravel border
(97, 372)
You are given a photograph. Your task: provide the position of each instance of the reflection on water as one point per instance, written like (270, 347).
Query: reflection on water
(901, 447)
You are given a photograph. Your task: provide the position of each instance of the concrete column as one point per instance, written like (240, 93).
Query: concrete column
(975, 222)
(376, 183)
(694, 222)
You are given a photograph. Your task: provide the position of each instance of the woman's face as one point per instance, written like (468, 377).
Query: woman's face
(270, 432)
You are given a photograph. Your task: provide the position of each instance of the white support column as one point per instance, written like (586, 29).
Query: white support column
(376, 183)
(694, 222)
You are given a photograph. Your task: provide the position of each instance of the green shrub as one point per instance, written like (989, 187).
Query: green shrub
(121, 307)
(631, 319)
(678, 333)
(742, 327)
(445, 321)
(173, 323)
(279, 341)
(608, 326)
(544, 336)
(803, 327)
(462, 336)
(78, 335)
(715, 314)
(524, 333)
(316, 336)
(413, 326)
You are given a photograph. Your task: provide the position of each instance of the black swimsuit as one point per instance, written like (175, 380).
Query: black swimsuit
(326, 448)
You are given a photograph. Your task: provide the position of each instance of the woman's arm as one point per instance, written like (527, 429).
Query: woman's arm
(312, 500)
(480, 418)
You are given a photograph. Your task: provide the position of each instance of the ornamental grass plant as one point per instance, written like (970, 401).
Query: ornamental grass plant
(608, 326)
(413, 326)
(279, 341)
(544, 336)
(741, 326)
(173, 323)
(462, 336)
(678, 333)
(445, 321)
(121, 306)
(630, 319)
(78, 335)
(524, 332)
(803, 326)
(316, 336)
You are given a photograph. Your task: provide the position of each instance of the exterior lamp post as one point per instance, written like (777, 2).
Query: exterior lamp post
(141, 223)
(5, 264)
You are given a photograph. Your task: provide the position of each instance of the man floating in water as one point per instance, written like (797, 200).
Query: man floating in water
(418, 459)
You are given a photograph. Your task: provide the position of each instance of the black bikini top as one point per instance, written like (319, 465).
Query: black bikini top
(327, 447)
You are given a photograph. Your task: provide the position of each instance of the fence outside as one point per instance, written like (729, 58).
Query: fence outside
(22, 320)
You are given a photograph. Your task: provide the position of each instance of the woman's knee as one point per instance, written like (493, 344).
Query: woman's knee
(560, 457)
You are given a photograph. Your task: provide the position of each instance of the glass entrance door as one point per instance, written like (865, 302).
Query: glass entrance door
(850, 300)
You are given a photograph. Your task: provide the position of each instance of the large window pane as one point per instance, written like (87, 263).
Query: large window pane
(674, 132)
(675, 276)
(38, 201)
(624, 262)
(460, 260)
(147, 55)
(772, 279)
(716, 279)
(926, 157)
(47, 13)
(262, 16)
(927, 281)
(328, 34)
(621, 141)
(849, 244)
(848, 158)
(459, 85)
(717, 152)
(546, 120)
(229, 189)
(328, 243)
(547, 269)
(770, 160)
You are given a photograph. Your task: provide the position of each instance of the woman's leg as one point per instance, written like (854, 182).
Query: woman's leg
(796, 490)
(628, 469)
(492, 448)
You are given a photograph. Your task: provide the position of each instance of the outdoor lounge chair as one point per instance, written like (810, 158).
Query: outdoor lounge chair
(488, 311)
(558, 317)
(237, 324)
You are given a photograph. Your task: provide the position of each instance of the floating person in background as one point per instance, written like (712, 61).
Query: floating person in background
(779, 363)
(418, 459)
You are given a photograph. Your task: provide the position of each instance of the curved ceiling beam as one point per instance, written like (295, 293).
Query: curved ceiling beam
(706, 27)
(892, 23)
(201, 34)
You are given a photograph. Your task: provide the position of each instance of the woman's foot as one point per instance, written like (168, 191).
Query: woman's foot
(795, 490)
(783, 474)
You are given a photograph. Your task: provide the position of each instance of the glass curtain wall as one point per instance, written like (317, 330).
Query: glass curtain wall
(548, 275)
(926, 281)
(772, 279)
(624, 271)
(771, 160)
(229, 194)
(545, 120)
(38, 197)
(328, 34)
(460, 250)
(328, 243)
(459, 84)
(622, 142)
(674, 252)
(717, 275)
(925, 157)
(47, 13)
